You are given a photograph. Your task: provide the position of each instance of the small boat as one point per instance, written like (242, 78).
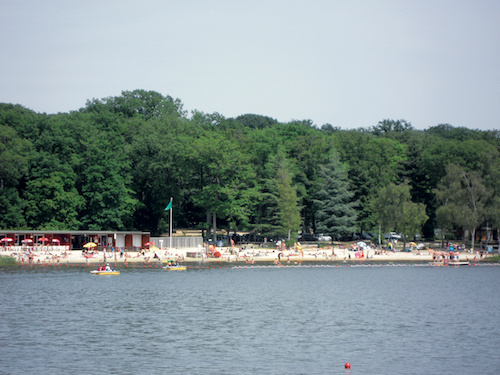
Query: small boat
(105, 272)
(458, 263)
(172, 265)
(175, 267)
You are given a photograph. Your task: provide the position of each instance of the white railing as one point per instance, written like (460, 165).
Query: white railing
(177, 242)
(35, 248)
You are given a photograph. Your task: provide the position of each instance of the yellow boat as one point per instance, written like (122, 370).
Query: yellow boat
(105, 272)
(175, 268)
(172, 265)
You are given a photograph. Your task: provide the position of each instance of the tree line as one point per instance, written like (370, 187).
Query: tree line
(115, 163)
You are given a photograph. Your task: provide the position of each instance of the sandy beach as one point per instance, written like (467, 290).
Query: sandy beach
(241, 256)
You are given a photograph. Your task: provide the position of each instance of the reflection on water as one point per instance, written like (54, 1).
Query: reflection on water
(394, 320)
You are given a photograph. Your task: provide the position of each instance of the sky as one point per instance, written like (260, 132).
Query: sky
(348, 63)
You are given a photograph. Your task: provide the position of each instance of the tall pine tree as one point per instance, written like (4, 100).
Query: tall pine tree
(336, 215)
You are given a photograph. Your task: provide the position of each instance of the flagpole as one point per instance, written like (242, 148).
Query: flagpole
(170, 226)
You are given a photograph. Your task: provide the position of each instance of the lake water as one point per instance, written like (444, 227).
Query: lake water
(309, 320)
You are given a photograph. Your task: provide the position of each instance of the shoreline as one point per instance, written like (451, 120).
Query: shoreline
(260, 256)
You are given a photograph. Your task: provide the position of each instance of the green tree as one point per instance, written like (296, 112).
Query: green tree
(268, 214)
(307, 148)
(138, 103)
(494, 216)
(336, 215)
(372, 163)
(51, 192)
(391, 127)
(289, 210)
(256, 121)
(464, 196)
(226, 180)
(14, 157)
(493, 204)
(266, 218)
(395, 211)
(24, 121)
(105, 183)
(51, 198)
(456, 134)
(444, 219)
(162, 155)
(448, 208)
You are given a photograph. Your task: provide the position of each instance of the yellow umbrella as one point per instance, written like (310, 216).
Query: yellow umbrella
(89, 245)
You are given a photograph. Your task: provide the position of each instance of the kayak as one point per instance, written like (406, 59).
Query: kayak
(175, 268)
(105, 272)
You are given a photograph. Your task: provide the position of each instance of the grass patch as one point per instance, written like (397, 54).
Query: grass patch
(493, 259)
(7, 261)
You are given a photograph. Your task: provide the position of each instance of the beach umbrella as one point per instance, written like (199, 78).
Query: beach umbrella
(361, 244)
(27, 240)
(6, 239)
(55, 240)
(88, 245)
(43, 239)
(149, 243)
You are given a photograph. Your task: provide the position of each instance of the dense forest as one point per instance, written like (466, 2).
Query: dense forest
(116, 163)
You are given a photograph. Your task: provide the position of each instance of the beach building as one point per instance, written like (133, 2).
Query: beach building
(75, 239)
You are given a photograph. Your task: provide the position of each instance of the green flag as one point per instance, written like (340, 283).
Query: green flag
(169, 206)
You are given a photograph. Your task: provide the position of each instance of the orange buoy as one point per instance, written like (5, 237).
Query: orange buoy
(347, 365)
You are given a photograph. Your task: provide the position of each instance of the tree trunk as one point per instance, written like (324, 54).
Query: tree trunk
(209, 227)
(488, 233)
(380, 236)
(214, 218)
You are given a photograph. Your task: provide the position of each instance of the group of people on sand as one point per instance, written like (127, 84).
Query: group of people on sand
(39, 256)
(444, 256)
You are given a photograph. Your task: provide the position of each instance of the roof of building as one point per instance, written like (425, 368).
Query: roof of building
(78, 232)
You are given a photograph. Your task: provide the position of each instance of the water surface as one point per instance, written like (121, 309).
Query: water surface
(383, 320)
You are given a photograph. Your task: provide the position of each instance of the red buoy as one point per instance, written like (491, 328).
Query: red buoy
(347, 365)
